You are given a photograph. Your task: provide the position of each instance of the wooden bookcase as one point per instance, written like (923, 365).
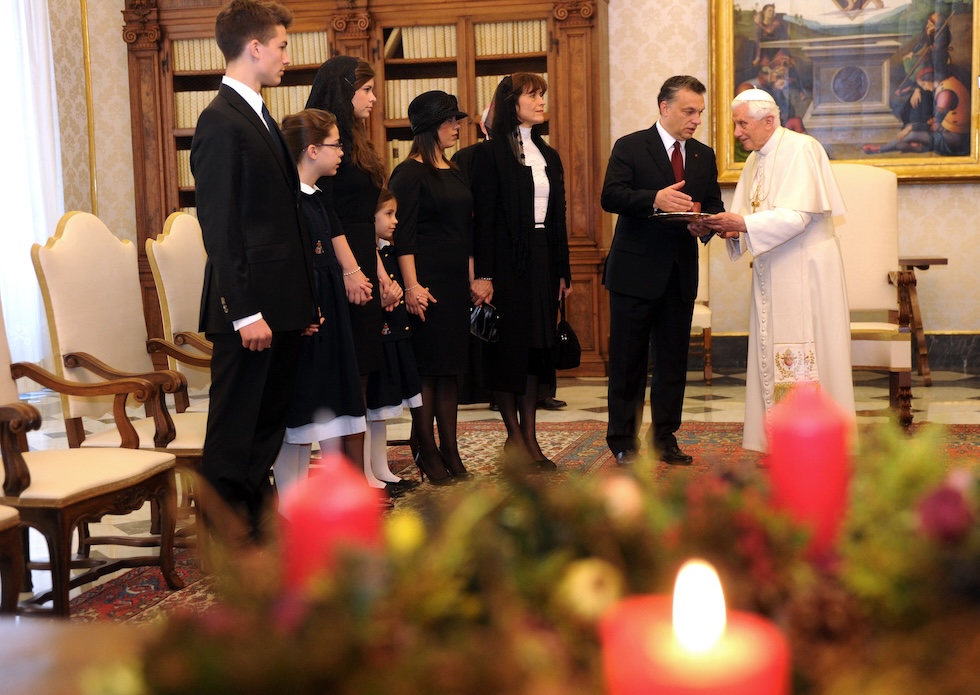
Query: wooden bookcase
(461, 46)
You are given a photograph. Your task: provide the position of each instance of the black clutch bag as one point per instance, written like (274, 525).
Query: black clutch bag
(483, 322)
(568, 351)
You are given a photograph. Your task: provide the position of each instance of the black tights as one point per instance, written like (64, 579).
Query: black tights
(519, 413)
(440, 402)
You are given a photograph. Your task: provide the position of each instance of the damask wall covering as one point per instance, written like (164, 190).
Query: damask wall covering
(649, 40)
(110, 95)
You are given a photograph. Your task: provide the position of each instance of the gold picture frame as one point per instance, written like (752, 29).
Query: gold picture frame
(845, 71)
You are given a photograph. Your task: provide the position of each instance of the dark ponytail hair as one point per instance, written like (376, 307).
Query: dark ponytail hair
(308, 127)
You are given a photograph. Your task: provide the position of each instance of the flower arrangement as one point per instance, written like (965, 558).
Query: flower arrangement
(498, 589)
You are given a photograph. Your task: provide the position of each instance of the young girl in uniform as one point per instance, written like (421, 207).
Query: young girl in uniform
(328, 404)
(398, 384)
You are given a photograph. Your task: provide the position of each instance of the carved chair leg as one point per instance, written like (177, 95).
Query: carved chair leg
(56, 530)
(27, 580)
(154, 517)
(900, 396)
(11, 569)
(167, 505)
(84, 536)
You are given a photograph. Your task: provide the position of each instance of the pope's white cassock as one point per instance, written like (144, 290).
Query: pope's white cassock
(799, 321)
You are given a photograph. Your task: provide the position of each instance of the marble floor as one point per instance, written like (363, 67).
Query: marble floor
(953, 398)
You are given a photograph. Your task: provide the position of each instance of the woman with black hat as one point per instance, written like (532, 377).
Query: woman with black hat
(522, 251)
(434, 244)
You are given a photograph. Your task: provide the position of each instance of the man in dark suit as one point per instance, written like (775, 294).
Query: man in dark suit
(258, 296)
(652, 268)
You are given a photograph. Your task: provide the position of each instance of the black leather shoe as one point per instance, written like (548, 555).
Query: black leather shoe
(551, 403)
(393, 491)
(546, 464)
(404, 484)
(675, 457)
(625, 458)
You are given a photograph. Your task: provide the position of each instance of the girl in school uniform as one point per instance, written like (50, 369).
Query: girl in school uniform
(398, 384)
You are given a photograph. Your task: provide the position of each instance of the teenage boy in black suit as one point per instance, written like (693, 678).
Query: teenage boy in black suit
(257, 297)
(652, 268)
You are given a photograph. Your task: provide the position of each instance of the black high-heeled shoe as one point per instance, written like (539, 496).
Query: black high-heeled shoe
(454, 464)
(434, 468)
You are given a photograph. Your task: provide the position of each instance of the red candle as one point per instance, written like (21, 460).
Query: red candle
(332, 510)
(643, 654)
(808, 462)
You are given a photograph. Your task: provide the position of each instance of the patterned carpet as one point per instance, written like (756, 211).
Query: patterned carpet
(579, 449)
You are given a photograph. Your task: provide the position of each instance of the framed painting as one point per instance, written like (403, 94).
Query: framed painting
(885, 82)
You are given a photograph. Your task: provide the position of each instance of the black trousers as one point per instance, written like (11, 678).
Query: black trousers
(250, 396)
(638, 329)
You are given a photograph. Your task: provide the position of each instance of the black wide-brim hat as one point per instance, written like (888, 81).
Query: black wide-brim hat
(429, 109)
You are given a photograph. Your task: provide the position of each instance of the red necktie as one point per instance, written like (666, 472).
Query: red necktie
(677, 162)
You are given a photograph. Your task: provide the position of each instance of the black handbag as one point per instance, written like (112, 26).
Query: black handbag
(483, 322)
(568, 351)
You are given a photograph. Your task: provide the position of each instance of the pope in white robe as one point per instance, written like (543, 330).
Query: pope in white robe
(782, 214)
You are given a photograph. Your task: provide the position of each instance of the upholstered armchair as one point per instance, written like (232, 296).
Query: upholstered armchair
(177, 258)
(58, 492)
(90, 284)
(877, 289)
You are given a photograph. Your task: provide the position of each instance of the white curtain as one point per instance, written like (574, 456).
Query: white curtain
(31, 192)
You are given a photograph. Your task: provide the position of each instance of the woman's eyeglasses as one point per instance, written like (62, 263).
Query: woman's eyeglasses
(338, 145)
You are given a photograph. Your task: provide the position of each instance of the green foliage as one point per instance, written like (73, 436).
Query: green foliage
(886, 561)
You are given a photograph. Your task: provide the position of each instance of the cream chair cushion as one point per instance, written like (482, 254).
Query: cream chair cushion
(61, 477)
(190, 430)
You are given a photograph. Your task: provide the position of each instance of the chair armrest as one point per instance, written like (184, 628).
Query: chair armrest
(166, 381)
(142, 390)
(16, 419)
(167, 348)
(195, 341)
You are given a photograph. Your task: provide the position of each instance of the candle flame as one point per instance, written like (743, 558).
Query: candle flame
(699, 606)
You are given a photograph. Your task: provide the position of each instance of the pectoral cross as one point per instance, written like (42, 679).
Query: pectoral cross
(757, 196)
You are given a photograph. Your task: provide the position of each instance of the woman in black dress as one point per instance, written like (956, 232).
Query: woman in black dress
(327, 399)
(344, 86)
(521, 257)
(434, 244)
